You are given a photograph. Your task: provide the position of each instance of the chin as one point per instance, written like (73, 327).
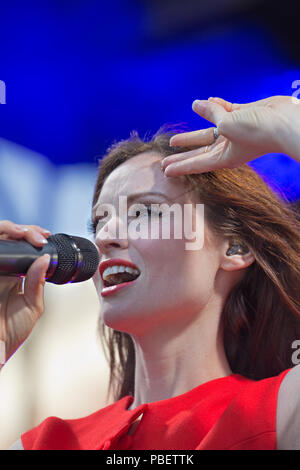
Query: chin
(117, 319)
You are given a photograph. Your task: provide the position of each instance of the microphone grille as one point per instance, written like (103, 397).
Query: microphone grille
(68, 248)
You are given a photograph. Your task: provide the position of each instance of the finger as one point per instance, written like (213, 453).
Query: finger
(36, 235)
(227, 105)
(210, 111)
(233, 106)
(8, 227)
(42, 230)
(194, 138)
(178, 157)
(32, 233)
(35, 282)
(200, 163)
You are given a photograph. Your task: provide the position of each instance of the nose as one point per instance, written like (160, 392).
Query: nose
(112, 235)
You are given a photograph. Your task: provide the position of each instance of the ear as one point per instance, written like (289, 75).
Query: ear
(236, 256)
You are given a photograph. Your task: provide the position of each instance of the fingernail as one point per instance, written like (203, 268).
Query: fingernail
(21, 229)
(47, 232)
(42, 240)
(199, 106)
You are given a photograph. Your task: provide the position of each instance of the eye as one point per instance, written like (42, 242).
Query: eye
(91, 227)
(92, 224)
(148, 211)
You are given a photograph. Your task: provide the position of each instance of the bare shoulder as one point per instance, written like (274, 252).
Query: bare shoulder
(288, 411)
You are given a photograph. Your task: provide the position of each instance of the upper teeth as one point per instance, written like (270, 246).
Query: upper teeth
(118, 269)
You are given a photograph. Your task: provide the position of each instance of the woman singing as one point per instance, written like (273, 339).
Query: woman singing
(200, 341)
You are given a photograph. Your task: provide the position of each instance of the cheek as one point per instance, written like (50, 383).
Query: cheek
(167, 254)
(169, 227)
(172, 269)
(191, 273)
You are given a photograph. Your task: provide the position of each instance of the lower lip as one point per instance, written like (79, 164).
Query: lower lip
(112, 289)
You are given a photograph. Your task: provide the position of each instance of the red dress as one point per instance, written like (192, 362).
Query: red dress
(231, 412)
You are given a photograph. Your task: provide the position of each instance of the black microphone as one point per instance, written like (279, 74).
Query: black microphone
(72, 259)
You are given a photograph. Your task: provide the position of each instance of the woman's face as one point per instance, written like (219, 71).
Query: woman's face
(175, 283)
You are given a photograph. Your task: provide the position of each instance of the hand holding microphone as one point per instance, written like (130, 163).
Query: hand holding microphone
(32, 251)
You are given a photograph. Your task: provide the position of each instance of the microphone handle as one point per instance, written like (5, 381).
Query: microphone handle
(16, 257)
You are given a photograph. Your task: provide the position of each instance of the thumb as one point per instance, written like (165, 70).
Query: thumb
(209, 110)
(35, 281)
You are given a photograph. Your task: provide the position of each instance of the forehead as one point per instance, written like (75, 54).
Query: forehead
(142, 173)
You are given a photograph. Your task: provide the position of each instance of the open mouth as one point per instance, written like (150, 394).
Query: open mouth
(115, 275)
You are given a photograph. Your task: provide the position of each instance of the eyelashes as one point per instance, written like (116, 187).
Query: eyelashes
(93, 224)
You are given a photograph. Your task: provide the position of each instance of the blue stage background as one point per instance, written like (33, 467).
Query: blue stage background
(82, 74)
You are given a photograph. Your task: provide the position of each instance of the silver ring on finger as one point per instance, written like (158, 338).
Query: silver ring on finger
(21, 285)
(216, 133)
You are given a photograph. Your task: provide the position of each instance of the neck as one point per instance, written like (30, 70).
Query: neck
(176, 359)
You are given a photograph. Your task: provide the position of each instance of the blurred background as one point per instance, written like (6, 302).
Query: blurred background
(78, 75)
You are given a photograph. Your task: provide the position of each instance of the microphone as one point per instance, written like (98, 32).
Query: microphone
(72, 259)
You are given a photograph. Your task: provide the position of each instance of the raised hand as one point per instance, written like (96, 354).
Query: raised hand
(245, 132)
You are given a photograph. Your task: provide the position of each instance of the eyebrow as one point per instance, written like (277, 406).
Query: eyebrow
(134, 196)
